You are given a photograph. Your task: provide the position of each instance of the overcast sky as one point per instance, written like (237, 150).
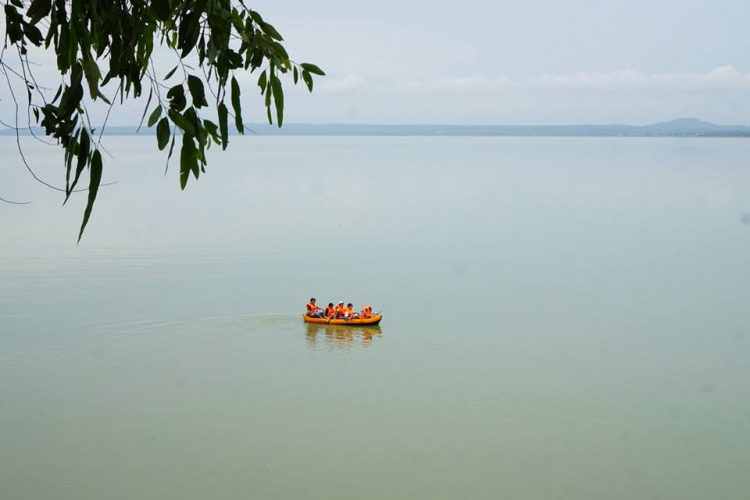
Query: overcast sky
(512, 62)
(531, 61)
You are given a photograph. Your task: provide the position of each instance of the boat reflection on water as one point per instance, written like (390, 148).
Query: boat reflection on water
(340, 336)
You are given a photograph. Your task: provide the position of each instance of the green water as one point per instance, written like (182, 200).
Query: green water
(564, 319)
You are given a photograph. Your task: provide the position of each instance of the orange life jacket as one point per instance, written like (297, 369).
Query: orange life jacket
(367, 312)
(330, 311)
(311, 308)
(340, 310)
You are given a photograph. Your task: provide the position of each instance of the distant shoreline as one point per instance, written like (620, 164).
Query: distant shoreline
(683, 127)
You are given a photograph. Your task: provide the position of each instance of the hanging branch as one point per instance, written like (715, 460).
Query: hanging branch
(224, 36)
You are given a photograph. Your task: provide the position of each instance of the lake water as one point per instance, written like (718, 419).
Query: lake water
(564, 318)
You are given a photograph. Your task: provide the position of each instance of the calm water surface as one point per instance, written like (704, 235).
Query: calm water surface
(564, 319)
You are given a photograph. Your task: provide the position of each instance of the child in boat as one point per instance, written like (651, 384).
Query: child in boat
(340, 310)
(366, 312)
(330, 310)
(313, 309)
(349, 313)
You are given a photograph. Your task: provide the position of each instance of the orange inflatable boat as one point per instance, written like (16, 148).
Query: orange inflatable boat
(357, 321)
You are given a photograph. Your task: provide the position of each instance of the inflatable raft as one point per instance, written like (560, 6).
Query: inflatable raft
(359, 321)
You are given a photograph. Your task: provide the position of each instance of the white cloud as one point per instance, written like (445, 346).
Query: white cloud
(333, 85)
(590, 79)
(624, 96)
(723, 77)
(454, 83)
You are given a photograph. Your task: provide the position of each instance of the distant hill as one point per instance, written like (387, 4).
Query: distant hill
(685, 126)
(681, 127)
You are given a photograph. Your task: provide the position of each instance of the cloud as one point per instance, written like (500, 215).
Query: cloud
(723, 77)
(334, 85)
(454, 83)
(622, 96)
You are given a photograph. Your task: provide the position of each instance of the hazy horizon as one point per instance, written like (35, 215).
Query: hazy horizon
(463, 125)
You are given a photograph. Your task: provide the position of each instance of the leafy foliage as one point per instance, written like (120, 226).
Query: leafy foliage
(111, 42)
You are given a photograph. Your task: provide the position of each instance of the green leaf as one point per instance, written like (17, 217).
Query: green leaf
(200, 133)
(271, 31)
(296, 75)
(162, 9)
(33, 34)
(162, 133)
(70, 152)
(311, 68)
(307, 78)
(169, 75)
(73, 44)
(93, 75)
(171, 149)
(199, 153)
(70, 100)
(103, 97)
(237, 21)
(83, 154)
(212, 129)
(262, 82)
(182, 122)
(57, 94)
(269, 94)
(189, 32)
(145, 110)
(236, 106)
(63, 49)
(176, 96)
(38, 10)
(278, 98)
(155, 115)
(14, 22)
(51, 34)
(197, 91)
(223, 125)
(256, 17)
(188, 159)
(95, 178)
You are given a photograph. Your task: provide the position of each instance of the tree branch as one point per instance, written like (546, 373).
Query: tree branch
(15, 202)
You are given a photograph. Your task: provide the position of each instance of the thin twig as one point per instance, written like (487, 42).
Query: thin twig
(18, 139)
(106, 118)
(20, 148)
(29, 106)
(15, 202)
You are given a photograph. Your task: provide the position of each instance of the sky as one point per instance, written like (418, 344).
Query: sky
(511, 62)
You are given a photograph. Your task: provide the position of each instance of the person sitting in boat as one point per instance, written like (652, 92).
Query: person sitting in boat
(349, 313)
(330, 311)
(313, 309)
(340, 310)
(366, 312)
